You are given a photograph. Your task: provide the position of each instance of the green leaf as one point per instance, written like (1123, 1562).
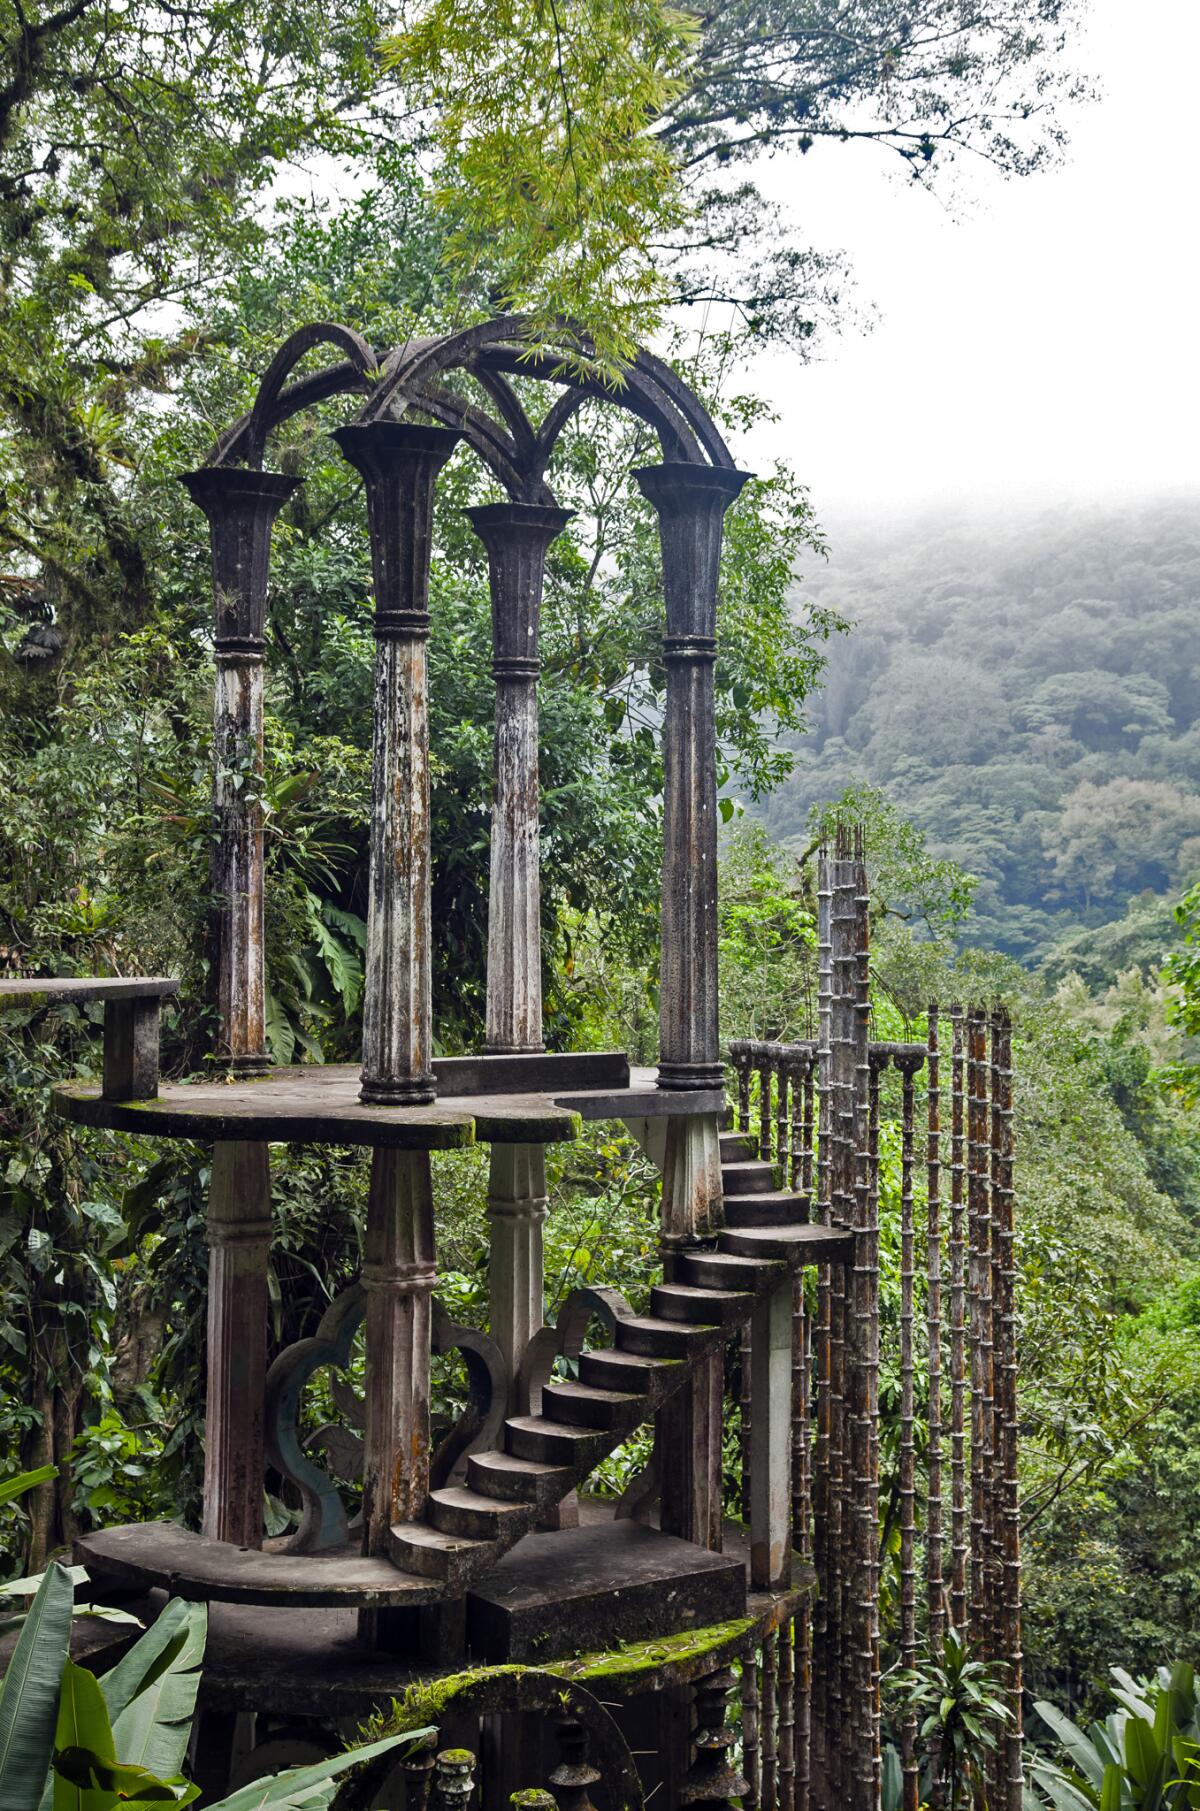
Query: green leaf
(151, 1693)
(1073, 1740)
(83, 1727)
(1110, 1790)
(26, 1480)
(94, 1782)
(1142, 1752)
(310, 1788)
(29, 1694)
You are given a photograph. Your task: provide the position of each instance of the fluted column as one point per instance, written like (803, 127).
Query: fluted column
(517, 536)
(691, 501)
(241, 507)
(398, 1273)
(399, 462)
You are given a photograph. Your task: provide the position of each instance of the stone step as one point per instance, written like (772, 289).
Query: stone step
(738, 1147)
(662, 1339)
(608, 1370)
(776, 1209)
(554, 1443)
(584, 1405)
(509, 1479)
(721, 1270)
(750, 1178)
(803, 1244)
(416, 1547)
(457, 1510)
(709, 1307)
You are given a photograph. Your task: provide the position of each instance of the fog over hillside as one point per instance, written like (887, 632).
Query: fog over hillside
(1027, 689)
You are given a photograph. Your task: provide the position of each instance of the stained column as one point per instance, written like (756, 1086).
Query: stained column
(399, 462)
(517, 537)
(690, 501)
(241, 507)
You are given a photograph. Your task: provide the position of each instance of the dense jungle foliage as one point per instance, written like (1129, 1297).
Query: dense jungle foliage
(157, 247)
(1026, 689)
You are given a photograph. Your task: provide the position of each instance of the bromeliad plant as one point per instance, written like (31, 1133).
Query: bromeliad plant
(1144, 1757)
(72, 1742)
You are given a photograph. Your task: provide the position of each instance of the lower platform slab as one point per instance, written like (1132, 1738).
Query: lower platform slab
(596, 1587)
(143, 1555)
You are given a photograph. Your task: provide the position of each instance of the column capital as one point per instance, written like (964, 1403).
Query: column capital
(680, 487)
(241, 506)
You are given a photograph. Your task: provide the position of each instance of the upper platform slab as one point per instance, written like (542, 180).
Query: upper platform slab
(58, 990)
(483, 1099)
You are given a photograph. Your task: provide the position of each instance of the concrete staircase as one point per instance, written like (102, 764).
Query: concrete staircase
(551, 1452)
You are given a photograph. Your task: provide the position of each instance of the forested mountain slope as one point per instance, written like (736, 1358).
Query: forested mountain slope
(1028, 691)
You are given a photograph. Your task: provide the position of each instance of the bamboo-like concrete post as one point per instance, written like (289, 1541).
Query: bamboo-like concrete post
(958, 1321)
(241, 507)
(399, 463)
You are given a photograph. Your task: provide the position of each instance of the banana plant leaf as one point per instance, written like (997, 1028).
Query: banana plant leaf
(1076, 1744)
(151, 1693)
(30, 1692)
(26, 1480)
(311, 1788)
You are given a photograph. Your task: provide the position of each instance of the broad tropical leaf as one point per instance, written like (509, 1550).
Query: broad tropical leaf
(151, 1694)
(29, 1694)
(1074, 1742)
(26, 1480)
(310, 1788)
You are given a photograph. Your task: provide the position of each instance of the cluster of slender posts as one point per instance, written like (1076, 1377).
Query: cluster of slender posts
(812, 1700)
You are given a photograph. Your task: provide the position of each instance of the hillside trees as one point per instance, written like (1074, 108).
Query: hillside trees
(1028, 695)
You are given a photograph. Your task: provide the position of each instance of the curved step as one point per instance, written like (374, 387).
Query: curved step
(775, 1209)
(456, 1509)
(722, 1270)
(651, 1377)
(738, 1147)
(684, 1302)
(653, 1338)
(586, 1405)
(417, 1547)
(510, 1479)
(559, 1443)
(749, 1178)
(804, 1244)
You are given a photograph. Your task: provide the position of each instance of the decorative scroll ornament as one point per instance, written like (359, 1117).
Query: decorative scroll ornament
(323, 1521)
(324, 1524)
(565, 1340)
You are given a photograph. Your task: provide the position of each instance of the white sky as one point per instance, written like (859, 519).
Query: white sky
(1038, 344)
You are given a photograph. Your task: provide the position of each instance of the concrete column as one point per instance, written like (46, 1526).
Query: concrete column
(241, 507)
(517, 536)
(398, 1274)
(770, 1439)
(691, 501)
(239, 1241)
(517, 1206)
(399, 463)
